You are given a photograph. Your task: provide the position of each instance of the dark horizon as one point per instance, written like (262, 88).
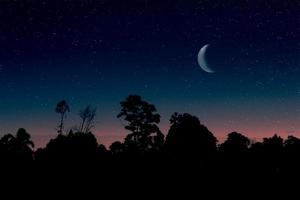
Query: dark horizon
(187, 157)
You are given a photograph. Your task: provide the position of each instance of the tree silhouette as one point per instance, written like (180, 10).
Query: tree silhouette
(7, 143)
(116, 148)
(234, 154)
(102, 151)
(62, 108)
(73, 147)
(24, 144)
(7, 139)
(235, 143)
(292, 143)
(142, 121)
(17, 148)
(273, 152)
(87, 116)
(24, 139)
(188, 138)
(273, 144)
(291, 154)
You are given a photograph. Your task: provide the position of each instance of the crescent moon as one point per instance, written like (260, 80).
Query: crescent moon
(202, 61)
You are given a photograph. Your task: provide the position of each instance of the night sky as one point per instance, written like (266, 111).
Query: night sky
(99, 52)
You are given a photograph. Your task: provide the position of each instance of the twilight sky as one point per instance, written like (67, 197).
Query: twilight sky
(98, 52)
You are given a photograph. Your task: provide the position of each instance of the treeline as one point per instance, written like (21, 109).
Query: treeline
(187, 144)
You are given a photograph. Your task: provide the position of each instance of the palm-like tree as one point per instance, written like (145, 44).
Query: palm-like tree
(62, 108)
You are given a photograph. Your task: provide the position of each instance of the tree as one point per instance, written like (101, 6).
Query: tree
(71, 147)
(142, 121)
(62, 108)
(292, 144)
(6, 146)
(273, 150)
(188, 138)
(87, 116)
(24, 139)
(116, 148)
(291, 154)
(7, 139)
(17, 148)
(273, 144)
(235, 143)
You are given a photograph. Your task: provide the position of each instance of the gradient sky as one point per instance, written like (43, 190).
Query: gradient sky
(98, 52)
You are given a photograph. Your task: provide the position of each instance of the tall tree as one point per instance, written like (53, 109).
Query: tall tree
(87, 116)
(141, 120)
(62, 108)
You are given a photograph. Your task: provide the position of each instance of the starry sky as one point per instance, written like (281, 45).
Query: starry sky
(96, 52)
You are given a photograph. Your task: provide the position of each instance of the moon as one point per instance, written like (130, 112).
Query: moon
(202, 60)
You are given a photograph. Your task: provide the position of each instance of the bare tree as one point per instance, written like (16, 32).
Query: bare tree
(62, 108)
(87, 116)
